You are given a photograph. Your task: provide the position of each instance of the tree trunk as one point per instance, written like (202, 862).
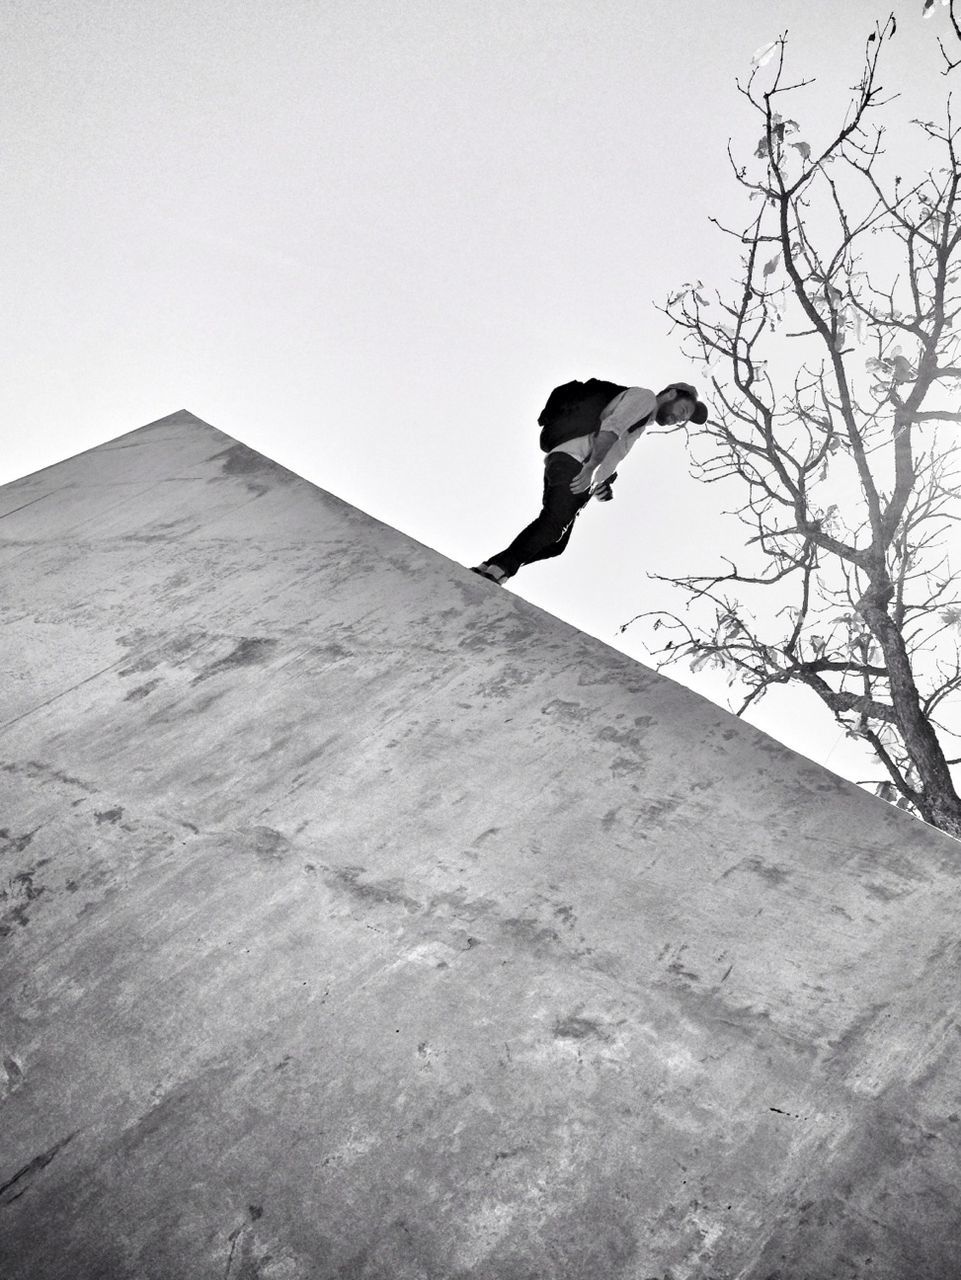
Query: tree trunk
(938, 802)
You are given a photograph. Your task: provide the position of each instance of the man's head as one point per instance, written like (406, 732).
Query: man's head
(678, 403)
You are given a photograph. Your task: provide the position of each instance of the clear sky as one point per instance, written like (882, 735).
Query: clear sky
(367, 237)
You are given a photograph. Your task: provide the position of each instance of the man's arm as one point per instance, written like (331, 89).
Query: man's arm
(604, 441)
(625, 411)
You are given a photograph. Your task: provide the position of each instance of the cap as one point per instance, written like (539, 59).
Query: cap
(699, 415)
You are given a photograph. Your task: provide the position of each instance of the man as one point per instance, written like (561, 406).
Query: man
(611, 420)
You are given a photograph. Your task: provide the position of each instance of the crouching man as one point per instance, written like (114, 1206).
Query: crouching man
(588, 429)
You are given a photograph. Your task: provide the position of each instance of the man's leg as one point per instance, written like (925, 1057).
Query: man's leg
(547, 535)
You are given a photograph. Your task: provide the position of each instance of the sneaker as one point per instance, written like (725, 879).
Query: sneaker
(493, 572)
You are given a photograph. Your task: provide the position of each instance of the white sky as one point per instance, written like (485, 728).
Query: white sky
(367, 238)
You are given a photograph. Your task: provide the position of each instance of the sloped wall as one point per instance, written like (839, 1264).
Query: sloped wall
(361, 920)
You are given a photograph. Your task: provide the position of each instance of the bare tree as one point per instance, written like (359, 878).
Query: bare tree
(844, 457)
(929, 8)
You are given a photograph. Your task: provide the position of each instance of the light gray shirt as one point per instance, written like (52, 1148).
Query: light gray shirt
(618, 416)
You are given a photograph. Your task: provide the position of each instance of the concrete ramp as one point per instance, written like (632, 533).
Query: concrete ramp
(361, 920)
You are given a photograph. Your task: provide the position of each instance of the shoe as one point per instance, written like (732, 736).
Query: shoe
(493, 572)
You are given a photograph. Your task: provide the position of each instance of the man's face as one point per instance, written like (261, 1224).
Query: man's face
(675, 411)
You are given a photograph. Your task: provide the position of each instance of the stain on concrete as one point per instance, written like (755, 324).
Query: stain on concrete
(250, 1266)
(409, 565)
(258, 472)
(529, 933)
(623, 766)
(20, 892)
(141, 691)
(199, 1095)
(848, 1045)
(269, 845)
(197, 709)
(771, 874)
(156, 650)
(459, 902)
(522, 631)
(37, 770)
(251, 651)
(15, 844)
(703, 784)
(12, 1076)
(95, 905)
(23, 1179)
(112, 816)
(477, 641)
(23, 880)
(632, 739)
(884, 893)
(149, 662)
(507, 683)
(239, 460)
(574, 1027)
(426, 1053)
(509, 1155)
(656, 812)
(896, 863)
(573, 712)
(372, 892)
(163, 530)
(677, 968)
(331, 652)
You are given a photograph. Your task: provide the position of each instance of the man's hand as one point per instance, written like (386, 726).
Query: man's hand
(604, 492)
(583, 480)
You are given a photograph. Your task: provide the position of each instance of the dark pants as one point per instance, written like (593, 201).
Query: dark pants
(547, 535)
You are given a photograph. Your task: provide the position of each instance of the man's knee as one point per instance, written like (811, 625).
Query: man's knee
(554, 525)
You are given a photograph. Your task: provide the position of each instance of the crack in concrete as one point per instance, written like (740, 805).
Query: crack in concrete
(29, 1170)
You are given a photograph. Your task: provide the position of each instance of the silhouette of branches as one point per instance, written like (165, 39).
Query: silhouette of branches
(835, 412)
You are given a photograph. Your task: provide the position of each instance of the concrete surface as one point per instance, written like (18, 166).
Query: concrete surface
(362, 920)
